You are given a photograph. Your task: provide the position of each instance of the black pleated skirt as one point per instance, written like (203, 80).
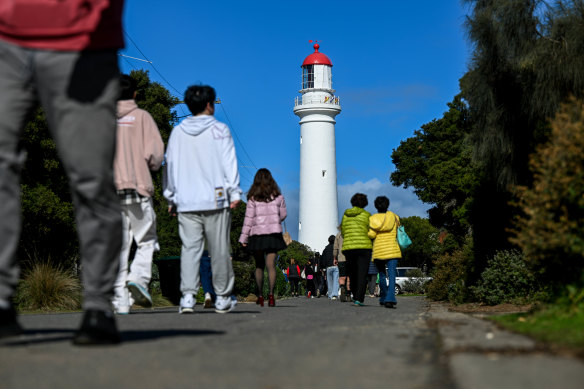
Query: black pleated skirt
(267, 243)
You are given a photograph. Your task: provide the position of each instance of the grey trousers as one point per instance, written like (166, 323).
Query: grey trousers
(194, 228)
(78, 91)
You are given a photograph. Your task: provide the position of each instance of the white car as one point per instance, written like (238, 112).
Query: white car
(404, 276)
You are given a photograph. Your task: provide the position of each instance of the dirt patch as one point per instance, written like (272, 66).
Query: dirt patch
(489, 309)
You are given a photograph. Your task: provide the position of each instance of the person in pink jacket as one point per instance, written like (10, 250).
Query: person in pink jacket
(262, 229)
(139, 150)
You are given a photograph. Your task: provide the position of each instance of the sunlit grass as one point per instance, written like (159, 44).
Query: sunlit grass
(48, 287)
(560, 324)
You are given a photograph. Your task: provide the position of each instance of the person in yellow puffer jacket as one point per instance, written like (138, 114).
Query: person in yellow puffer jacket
(386, 251)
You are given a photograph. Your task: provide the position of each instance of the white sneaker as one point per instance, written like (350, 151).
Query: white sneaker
(140, 294)
(224, 304)
(122, 303)
(208, 300)
(187, 304)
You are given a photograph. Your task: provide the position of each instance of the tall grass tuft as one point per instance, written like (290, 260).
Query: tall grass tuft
(46, 286)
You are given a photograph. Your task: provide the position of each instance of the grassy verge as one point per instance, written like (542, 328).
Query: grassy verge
(560, 326)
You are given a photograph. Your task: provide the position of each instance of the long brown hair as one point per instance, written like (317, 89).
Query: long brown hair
(264, 187)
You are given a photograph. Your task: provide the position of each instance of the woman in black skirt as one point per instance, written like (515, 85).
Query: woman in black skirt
(262, 229)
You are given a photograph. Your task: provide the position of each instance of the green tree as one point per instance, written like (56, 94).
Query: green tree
(551, 228)
(48, 227)
(300, 252)
(527, 59)
(425, 247)
(437, 163)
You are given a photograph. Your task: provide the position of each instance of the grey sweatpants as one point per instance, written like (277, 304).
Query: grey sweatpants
(78, 91)
(194, 228)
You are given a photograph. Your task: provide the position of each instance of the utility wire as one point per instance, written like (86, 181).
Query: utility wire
(179, 93)
(153, 67)
(237, 137)
(151, 64)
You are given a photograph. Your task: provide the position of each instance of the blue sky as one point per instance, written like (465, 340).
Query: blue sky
(396, 64)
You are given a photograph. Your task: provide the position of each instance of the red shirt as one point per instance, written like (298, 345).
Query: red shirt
(70, 25)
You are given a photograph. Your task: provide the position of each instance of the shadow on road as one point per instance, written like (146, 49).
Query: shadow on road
(54, 335)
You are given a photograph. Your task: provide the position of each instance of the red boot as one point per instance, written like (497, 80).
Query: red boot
(271, 301)
(260, 301)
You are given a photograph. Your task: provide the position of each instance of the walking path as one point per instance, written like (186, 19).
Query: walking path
(301, 343)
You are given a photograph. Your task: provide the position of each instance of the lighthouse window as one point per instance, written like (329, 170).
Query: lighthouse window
(308, 76)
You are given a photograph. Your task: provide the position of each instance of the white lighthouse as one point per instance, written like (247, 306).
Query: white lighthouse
(317, 108)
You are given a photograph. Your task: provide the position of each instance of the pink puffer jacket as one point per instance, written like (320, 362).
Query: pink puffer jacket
(263, 218)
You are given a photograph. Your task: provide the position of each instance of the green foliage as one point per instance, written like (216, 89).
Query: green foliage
(559, 323)
(416, 284)
(505, 280)
(554, 206)
(425, 246)
(48, 227)
(300, 252)
(450, 275)
(245, 283)
(46, 286)
(281, 288)
(436, 162)
(238, 252)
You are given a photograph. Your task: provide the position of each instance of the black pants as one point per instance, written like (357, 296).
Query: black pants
(310, 287)
(357, 269)
(294, 284)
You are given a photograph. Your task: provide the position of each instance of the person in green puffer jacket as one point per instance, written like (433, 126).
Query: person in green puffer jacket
(357, 245)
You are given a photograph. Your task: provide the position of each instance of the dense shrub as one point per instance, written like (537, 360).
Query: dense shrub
(244, 278)
(47, 286)
(416, 284)
(551, 230)
(450, 274)
(505, 280)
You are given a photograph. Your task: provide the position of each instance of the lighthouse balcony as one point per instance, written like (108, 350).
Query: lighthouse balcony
(311, 100)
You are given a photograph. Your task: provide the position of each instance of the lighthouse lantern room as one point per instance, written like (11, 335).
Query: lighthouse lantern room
(317, 108)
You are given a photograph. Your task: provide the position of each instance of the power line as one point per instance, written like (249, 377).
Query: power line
(179, 93)
(237, 137)
(153, 66)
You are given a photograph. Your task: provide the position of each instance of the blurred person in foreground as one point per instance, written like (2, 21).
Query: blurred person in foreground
(63, 55)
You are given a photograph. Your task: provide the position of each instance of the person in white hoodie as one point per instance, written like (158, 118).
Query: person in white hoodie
(202, 185)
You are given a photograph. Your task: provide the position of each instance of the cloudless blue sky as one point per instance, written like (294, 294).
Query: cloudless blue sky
(396, 64)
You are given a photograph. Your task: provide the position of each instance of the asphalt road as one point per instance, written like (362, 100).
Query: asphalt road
(300, 343)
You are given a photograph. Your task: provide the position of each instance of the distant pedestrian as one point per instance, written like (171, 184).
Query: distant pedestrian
(332, 270)
(386, 251)
(344, 284)
(262, 229)
(371, 278)
(202, 185)
(63, 54)
(293, 275)
(310, 285)
(139, 150)
(319, 273)
(207, 280)
(357, 245)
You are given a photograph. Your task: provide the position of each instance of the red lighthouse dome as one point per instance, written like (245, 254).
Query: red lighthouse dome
(317, 58)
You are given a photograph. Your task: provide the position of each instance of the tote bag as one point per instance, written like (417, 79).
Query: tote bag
(403, 240)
